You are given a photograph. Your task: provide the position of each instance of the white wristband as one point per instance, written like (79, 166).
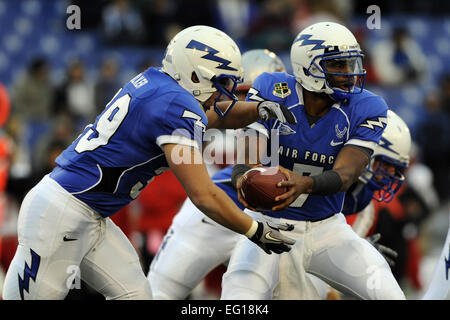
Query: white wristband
(251, 232)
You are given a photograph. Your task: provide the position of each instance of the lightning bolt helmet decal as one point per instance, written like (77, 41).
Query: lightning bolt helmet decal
(211, 54)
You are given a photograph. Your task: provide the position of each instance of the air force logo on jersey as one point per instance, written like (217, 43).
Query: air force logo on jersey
(339, 134)
(281, 90)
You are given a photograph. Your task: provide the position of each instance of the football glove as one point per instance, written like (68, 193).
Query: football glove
(269, 238)
(272, 110)
(387, 253)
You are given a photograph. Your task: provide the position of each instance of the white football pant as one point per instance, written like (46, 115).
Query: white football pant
(193, 246)
(60, 239)
(328, 249)
(439, 288)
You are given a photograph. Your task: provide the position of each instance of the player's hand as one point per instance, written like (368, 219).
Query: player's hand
(269, 238)
(387, 253)
(296, 185)
(270, 109)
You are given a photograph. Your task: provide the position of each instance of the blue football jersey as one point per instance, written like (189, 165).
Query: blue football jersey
(312, 149)
(120, 153)
(357, 197)
(222, 179)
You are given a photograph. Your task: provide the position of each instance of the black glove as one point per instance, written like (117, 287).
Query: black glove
(387, 253)
(270, 109)
(269, 238)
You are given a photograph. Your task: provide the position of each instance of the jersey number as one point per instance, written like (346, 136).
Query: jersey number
(107, 125)
(304, 170)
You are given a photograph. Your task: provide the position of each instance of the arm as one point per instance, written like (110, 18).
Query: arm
(245, 112)
(349, 165)
(209, 198)
(242, 114)
(212, 201)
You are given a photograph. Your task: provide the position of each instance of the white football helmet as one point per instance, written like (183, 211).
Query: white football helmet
(394, 148)
(204, 60)
(322, 44)
(256, 62)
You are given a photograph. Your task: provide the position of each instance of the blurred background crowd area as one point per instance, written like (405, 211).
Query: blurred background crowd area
(58, 80)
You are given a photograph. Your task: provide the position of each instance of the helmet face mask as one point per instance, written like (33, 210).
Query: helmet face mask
(222, 83)
(211, 56)
(387, 178)
(344, 74)
(327, 58)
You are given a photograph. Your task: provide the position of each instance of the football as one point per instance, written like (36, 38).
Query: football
(259, 187)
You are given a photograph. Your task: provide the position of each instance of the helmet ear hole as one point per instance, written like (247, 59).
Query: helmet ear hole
(305, 71)
(194, 77)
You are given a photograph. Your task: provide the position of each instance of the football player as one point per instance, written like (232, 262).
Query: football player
(154, 122)
(339, 126)
(382, 178)
(182, 261)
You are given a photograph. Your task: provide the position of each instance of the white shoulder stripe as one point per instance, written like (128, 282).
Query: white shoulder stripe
(362, 143)
(165, 139)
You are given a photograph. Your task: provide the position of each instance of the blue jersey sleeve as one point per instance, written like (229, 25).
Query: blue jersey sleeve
(180, 121)
(368, 121)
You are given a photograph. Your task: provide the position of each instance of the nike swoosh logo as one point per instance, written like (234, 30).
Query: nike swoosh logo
(68, 239)
(206, 221)
(333, 144)
(269, 237)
